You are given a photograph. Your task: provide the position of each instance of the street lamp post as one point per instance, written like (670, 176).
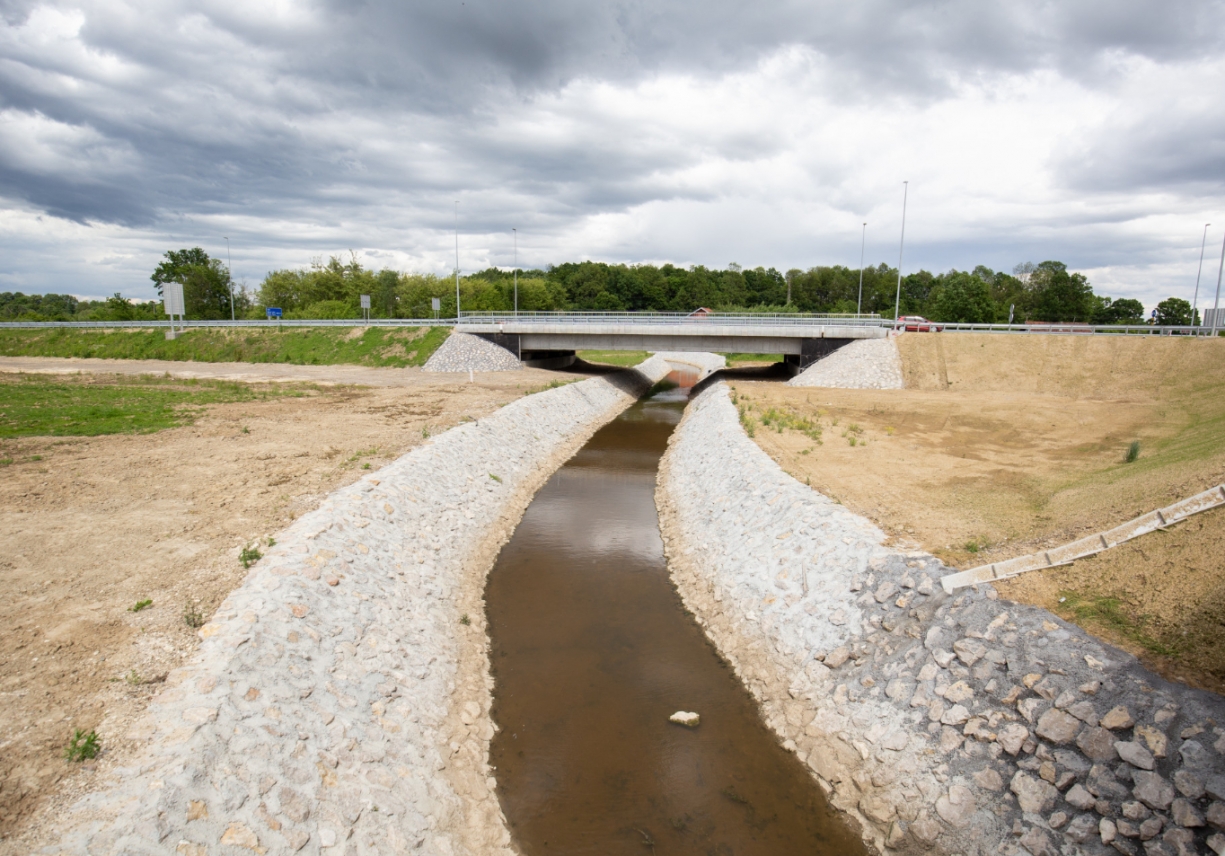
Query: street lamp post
(863, 238)
(1216, 305)
(897, 303)
(516, 233)
(229, 276)
(457, 261)
(1203, 242)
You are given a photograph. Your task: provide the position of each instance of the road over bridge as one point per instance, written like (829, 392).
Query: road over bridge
(550, 339)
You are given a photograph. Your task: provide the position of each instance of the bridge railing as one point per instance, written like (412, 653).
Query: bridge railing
(760, 319)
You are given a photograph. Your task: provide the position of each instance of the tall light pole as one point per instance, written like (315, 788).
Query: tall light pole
(457, 262)
(1203, 242)
(1216, 306)
(897, 303)
(862, 241)
(229, 276)
(516, 232)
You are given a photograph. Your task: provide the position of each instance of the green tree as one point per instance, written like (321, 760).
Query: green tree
(1056, 295)
(1174, 312)
(205, 281)
(963, 298)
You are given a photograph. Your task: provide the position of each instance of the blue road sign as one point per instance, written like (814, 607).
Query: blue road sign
(274, 311)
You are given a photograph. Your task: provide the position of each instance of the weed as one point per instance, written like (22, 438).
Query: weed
(366, 466)
(748, 422)
(246, 430)
(4, 462)
(1133, 451)
(806, 451)
(271, 541)
(1107, 612)
(557, 384)
(192, 616)
(890, 430)
(134, 678)
(852, 440)
(495, 478)
(972, 546)
(140, 604)
(36, 457)
(82, 746)
(465, 620)
(731, 793)
(425, 433)
(249, 555)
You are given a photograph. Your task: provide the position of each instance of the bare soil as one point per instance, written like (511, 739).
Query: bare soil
(1003, 445)
(100, 523)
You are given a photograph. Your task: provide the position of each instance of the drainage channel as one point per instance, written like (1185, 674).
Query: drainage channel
(591, 653)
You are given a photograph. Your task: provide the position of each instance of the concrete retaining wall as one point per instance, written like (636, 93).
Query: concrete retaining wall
(945, 723)
(339, 703)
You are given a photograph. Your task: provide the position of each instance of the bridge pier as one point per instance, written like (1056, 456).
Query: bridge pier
(811, 350)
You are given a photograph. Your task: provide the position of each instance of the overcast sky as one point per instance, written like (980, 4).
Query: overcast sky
(693, 132)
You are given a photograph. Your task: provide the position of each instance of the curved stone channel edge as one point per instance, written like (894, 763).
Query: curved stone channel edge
(937, 723)
(339, 701)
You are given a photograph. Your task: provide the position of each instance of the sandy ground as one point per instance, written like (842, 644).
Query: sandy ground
(100, 523)
(1004, 445)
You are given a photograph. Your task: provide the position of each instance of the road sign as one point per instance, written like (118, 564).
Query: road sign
(273, 311)
(172, 298)
(435, 303)
(365, 301)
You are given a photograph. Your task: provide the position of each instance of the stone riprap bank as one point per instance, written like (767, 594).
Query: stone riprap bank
(953, 724)
(863, 364)
(339, 702)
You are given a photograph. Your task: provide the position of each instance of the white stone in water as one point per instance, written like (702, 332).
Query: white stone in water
(685, 718)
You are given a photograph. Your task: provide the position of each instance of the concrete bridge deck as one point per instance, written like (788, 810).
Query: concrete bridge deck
(801, 340)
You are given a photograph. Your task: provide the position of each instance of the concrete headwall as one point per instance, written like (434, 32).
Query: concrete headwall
(339, 702)
(946, 723)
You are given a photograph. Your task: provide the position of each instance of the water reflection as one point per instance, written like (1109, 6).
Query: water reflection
(592, 652)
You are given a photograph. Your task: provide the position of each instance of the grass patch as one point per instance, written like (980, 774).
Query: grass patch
(1133, 451)
(87, 406)
(395, 347)
(744, 359)
(1108, 614)
(192, 616)
(613, 358)
(140, 604)
(556, 384)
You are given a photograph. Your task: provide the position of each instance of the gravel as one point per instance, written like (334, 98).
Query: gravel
(463, 352)
(339, 701)
(942, 723)
(863, 364)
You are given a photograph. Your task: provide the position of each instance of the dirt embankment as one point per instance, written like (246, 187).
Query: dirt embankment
(1002, 445)
(90, 526)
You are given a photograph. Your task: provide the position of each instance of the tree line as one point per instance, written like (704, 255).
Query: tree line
(331, 290)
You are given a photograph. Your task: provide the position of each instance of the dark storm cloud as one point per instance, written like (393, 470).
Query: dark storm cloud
(266, 109)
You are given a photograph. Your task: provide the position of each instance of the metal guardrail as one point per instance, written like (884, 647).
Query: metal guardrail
(357, 322)
(646, 319)
(1064, 328)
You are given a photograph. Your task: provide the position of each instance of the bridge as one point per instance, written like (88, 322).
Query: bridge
(549, 340)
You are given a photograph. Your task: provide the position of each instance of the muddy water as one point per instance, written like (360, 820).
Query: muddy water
(592, 651)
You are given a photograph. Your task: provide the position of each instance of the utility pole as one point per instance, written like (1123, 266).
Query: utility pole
(516, 232)
(1203, 242)
(897, 303)
(862, 241)
(229, 276)
(457, 262)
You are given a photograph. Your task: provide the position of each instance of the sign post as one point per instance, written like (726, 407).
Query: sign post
(366, 308)
(436, 304)
(274, 312)
(172, 302)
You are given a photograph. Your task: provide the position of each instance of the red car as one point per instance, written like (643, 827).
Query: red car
(917, 324)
